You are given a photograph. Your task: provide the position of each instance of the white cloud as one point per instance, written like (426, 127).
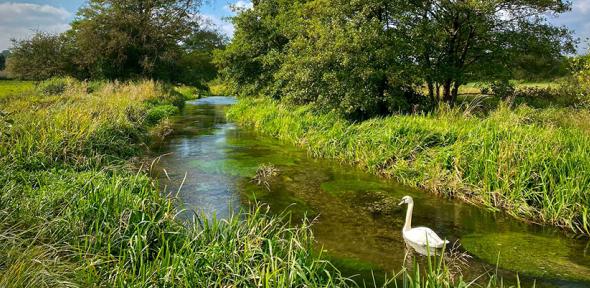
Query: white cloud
(21, 20)
(582, 6)
(239, 5)
(217, 23)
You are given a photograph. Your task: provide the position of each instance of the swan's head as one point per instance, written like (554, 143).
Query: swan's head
(406, 200)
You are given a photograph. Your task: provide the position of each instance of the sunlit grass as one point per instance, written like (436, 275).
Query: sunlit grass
(13, 87)
(74, 214)
(528, 162)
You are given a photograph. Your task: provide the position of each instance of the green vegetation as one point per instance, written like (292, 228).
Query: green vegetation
(116, 39)
(371, 58)
(189, 92)
(531, 163)
(75, 211)
(343, 186)
(74, 214)
(549, 257)
(386, 87)
(11, 87)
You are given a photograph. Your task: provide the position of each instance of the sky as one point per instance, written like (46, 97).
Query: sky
(21, 18)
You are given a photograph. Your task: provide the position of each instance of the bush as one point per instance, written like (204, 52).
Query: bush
(503, 89)
(190, 92)
(170, 96)
(94, 86)
(41, 57)
(157, 113)
(54, 86)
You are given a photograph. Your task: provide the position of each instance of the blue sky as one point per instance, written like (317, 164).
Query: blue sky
(19, 18)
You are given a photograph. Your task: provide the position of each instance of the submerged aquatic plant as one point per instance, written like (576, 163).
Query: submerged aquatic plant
(263, 175)
(529, 162)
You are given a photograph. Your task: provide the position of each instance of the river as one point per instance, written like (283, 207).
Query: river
(210, 163)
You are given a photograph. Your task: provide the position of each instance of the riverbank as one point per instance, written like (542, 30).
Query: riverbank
(75, 212)
(531, 163)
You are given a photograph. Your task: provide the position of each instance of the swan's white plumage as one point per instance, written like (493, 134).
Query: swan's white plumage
(424, 236)
(421, 236)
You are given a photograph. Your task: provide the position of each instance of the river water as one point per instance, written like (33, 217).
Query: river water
(210, 163)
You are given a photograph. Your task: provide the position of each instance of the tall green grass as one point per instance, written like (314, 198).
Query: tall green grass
(530, 163)
(74, 214)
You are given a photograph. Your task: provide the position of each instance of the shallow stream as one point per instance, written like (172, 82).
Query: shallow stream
(357, 221)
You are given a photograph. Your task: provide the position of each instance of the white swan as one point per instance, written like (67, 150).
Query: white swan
(419, 236)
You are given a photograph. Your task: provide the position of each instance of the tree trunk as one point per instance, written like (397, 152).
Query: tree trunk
(431, 90)
(437, 91)
(447, 96)
(455, 91)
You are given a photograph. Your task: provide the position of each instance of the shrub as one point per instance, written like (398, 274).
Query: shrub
(94, 86)
(187, 92)
(157, 113)
(169, 96)
(54, 86)
(503, 88)
(41, 57)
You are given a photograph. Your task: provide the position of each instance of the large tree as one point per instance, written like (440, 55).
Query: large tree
(346, 59)
(196, 63)
(256, 51)
(130, 38)
(456, 41)
(363, 57)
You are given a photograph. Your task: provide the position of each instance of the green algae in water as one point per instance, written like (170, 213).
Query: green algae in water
(240, 167)
(531, 255)
(340, 187)
(230, 167)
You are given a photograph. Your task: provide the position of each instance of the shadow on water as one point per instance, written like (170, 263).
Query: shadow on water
(358, 221)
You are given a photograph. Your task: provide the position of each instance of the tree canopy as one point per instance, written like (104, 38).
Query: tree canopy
(41, 57)
(370, 57)
(124, 39)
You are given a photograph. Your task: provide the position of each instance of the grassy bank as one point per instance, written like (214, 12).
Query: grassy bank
(528, 162)
(75, 213)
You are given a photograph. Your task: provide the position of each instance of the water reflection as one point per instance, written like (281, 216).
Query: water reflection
(358, 221)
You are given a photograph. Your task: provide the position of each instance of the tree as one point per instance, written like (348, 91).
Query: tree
(346, 60)
(196, 62)
(458, 41)
(133, 38)
(2, 62)
(249, 63)
(368, 57)
(41, 57)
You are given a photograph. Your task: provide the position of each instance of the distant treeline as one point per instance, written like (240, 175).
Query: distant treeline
(374, 57)
(3, 56)
(123, 39)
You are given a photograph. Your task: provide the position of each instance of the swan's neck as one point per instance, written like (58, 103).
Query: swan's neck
(408, 224)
